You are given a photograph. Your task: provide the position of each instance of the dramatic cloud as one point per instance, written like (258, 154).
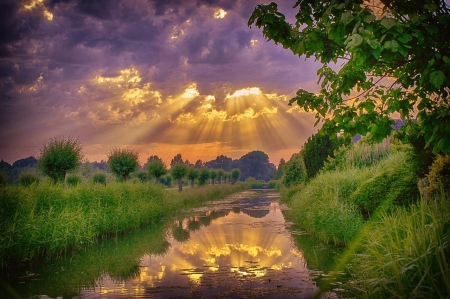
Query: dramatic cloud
(164, 77)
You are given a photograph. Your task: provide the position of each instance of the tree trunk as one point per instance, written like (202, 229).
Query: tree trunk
(180, 186)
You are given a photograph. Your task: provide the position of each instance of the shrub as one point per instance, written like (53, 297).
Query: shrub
(99, 178)
(272, 184)
(73, 180)
(142, 176)
(392, 182)
(59, 156)
(294, 171)
(122, 162)
(27, 178)
(439, 175)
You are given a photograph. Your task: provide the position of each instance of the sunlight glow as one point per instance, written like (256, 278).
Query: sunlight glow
(191, 91)
(40, 5)
(245, 92)
(219, 13)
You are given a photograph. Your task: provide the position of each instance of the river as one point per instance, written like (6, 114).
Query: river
(240, 247)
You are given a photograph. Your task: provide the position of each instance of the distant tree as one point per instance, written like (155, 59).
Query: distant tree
(5, 166)
(294, 171)
(29, 162)
(199, 164)
(235, 174)
(318, 148)
(256, 164)
(221, 162)
(142, 176)
(204, 176)
(214, 175)
(192, 175)
(179, 171)
(102, 165)
(59, 156)
(220, 174)
(280, 167)
(156, 168)
(122, 162)
(188, 163)
(177, 159)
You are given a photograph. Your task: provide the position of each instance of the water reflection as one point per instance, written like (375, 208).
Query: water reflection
(237, 248)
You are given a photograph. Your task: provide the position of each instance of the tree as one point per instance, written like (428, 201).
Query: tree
(199, 164)
(179, 171)
(156, 168)
(395, 59)
(235, 174)
(318, 148)
(220, 175)
(204, 176)
(294, 171)
(280, 167)
(192, 175)
(175, 160)
(122, 162)
(256, 164)
(59, 156)
(214, 175)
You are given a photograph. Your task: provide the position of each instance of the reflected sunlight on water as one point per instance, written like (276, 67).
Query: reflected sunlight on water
(242, 251)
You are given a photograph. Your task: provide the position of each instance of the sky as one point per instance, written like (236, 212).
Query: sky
(163, 77)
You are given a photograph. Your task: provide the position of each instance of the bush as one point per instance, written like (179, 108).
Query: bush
(27, 178)
(122, 162)
(392, 183)
(3, 178)
(272, 184)
(294, 171)
(73, 180)
(142, 176)
(439, 175)
(99, 178)
(59, 156)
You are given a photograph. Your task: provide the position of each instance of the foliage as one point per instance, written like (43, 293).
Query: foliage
(272, 184)
(395, 59)
(294, 171)
(405, 254)
(193, 174)
(28, 178)
(359, 155)
(73, 179)
(439, 176)
(59, 156)
(256, 164)
(220, 175)
(280, 168)
(177, 159)
(213, 174)
(221, 162)
(99, 177)
(29, 162)
(142, 176)
(204, 176)
(392, 183)
(156, 168)
(318, 148)
(178, 172)
(122, 162)
(235, 174)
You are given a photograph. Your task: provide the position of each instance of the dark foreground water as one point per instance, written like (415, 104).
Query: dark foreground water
(240, 247)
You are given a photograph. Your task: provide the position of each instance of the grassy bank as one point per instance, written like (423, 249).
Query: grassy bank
(396, 244)
(48, 219)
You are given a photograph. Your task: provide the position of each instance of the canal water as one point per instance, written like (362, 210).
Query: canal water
(240, 247)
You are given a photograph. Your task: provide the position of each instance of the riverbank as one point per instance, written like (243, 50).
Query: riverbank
(397, 245)
(47, 220)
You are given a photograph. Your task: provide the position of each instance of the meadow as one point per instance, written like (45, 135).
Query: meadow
(396, 243)
(46, 219)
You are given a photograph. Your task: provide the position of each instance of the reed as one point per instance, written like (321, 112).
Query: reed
(405, 254)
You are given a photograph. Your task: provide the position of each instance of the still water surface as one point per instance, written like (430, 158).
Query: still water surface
(240, 247)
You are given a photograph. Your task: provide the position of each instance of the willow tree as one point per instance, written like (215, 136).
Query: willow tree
(379, 59)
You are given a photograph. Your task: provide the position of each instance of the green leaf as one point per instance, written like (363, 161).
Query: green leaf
(354, 40)
(347, 17)
(405, 38)
(437, 78)
(443, 145)
(373, 43)
(369, 18)
(446, 59)
(388, 22)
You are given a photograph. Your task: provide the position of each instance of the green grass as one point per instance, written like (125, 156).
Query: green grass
(48, 219)
(405, 254)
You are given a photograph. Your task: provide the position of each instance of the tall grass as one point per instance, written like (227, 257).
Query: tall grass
(405, 254)
(47, 219)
